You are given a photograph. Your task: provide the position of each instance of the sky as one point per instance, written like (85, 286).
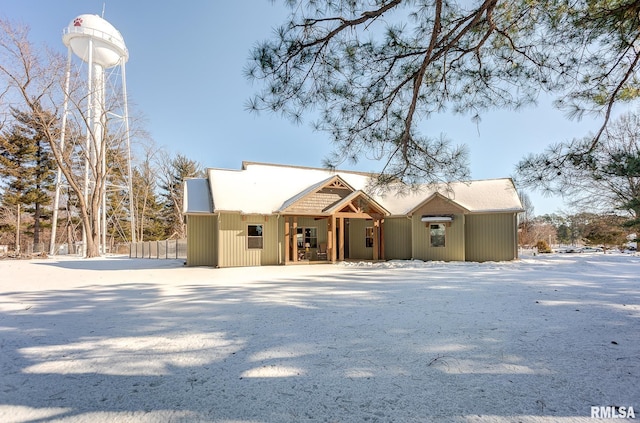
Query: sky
(185, 77)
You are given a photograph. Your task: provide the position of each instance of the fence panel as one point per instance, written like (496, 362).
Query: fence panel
(181, 248)
(162, 249)
(165, 249)
(171, 248)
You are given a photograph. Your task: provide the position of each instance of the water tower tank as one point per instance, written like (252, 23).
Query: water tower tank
(91, 30)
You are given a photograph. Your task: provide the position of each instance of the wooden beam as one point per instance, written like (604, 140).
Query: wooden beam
(341, 243)
(294, 238)
(353, 208)
(353, 215)
(376, 226)
(287, 239)
(332, 239)
(331, 224)
(381, 239)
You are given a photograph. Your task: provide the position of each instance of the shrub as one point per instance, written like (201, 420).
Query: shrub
(543, 247)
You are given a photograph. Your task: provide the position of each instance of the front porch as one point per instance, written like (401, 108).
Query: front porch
(327, 239)
(331, 221)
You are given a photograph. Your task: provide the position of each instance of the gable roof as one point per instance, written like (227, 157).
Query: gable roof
(441, 202)
(333, 180)
(484, 196)
(348, 202)
(260, 188)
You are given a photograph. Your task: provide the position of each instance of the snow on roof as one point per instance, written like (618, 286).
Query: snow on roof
(197, 198)
(261, 188)
(301, 194)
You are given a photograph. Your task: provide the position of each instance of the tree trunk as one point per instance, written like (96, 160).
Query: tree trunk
(18, 231)
(89, 221)
(70, 242)
(36, 225)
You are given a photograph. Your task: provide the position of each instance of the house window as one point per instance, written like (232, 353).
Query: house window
(368, 237)
(254, 237)
(437, 234)
(307, 237)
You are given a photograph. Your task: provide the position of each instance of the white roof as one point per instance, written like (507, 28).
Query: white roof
(266, 188)
(197, 198)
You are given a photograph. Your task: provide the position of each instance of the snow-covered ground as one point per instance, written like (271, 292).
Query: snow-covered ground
(542, 339)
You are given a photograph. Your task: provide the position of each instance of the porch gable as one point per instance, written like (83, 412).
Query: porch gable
(316, 199)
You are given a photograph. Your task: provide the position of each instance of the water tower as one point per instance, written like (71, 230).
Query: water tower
(101, 47)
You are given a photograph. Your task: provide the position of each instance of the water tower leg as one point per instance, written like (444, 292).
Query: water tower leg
(87, 152)
(56, 198)
(132, 212)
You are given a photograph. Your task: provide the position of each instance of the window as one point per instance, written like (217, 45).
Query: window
(437, 234)
(254, 237)
(307, 236)
(368, 237)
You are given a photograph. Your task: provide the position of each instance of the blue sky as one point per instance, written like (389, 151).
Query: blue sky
(185, 76)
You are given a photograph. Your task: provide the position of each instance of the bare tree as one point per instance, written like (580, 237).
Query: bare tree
(34, 80)
(526, 220)
(603, 180)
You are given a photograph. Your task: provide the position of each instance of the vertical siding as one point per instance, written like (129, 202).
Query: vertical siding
(202, 243)
(454, 240)
(491, 237)
(233, 241)
(397, 238)
(357, 245)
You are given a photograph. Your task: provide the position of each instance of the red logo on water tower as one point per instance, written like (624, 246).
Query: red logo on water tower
(77, 22)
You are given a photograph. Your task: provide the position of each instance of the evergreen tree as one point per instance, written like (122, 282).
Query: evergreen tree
(149, 211)
(27, 167)
(173, 172)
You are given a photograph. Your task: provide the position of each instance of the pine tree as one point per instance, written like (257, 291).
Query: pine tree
(173, 173)
(374, 73)
(27, 167)
(149, 221)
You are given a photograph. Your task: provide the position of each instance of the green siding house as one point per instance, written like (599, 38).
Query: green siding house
(266, 214)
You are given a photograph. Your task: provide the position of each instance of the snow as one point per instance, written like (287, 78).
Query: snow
(268, 188)
(541, 339)
(196, 197)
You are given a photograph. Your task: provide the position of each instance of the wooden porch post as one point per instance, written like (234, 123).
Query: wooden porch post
(294, 238)
(330, 226)
(381, 239)
(341, 243)
(287, 240)
(332, 239)
(376, 243)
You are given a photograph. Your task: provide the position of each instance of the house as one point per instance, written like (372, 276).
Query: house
(267, 214)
